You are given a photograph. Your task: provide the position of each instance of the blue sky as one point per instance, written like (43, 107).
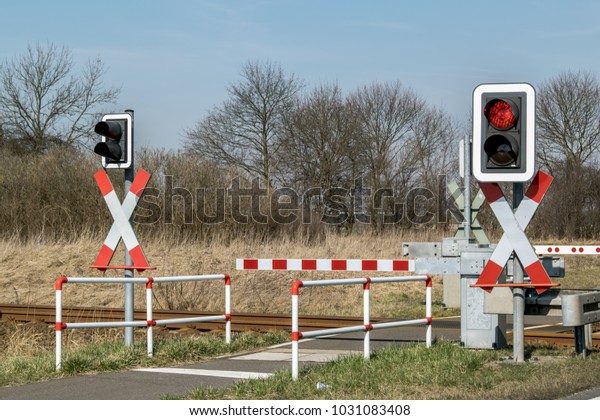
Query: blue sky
(173, 59)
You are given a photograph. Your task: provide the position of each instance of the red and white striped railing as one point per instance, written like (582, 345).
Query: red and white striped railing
(567, 249)
(297, 264)
(367, 327)
(150, 322)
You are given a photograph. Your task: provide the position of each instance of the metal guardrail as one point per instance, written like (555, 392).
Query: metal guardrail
(578, 309)
(367, 326)
(150, 322)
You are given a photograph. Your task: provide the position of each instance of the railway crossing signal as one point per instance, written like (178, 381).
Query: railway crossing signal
(116, 145)
(121, 227)
(504, 132)
(514, 237)
(459, 199)
(116, 149)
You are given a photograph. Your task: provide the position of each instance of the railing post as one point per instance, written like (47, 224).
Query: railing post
(227, 309)
(367, 318)
(296, 335)
(149, 318)
(59, 323)
(428, 310)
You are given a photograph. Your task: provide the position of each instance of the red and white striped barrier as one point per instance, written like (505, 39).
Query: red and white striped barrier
(567, 249)
(514, 237)
(367, 327)
(294, 264)
(150, 322)
(121, 227)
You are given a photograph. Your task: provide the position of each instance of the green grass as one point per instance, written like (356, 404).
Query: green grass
(113, 355)
(446, 371)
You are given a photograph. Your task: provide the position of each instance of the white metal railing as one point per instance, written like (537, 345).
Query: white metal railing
(367, 326)
(149, 323)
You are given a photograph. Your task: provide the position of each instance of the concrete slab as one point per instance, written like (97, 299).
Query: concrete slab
(205, 372)
(285, 355)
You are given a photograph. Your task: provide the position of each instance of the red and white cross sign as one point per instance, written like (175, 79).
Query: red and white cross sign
(121, 227)
(514, 237)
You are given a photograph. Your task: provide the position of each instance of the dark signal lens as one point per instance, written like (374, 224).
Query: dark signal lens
(110, 129)
(501, 114)
(501, 150)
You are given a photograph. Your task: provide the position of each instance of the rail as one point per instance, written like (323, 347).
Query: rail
(150, 322)
(367, 327)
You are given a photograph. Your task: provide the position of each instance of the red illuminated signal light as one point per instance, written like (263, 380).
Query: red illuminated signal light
(502, 114)
(503, 148)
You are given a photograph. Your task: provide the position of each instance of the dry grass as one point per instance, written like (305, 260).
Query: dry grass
(23, 340)
(30, 270)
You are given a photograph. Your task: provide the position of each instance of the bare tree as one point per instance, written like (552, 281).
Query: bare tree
(246, 131)
(385, 112)
(42, 101)
(320, 137)
(568, 119)
(318, 153)
(434, 144)
(568, 130)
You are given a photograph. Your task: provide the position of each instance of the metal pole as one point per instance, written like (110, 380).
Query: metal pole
(579, 335)
(518, 292)
(588, 337)
(129, 175)
(467, 193)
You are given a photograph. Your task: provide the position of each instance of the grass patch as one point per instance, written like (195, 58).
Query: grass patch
(446, 371)
(113, 355)
(408, 304)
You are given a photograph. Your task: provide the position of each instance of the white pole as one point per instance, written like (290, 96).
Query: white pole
(227, 309)
(295, 337)
(58, 329)
(149, 332)
(295, 329)
(367, 319)
(467, 191)
(428, 310)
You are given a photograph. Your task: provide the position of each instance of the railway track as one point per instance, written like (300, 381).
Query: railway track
(240, 321)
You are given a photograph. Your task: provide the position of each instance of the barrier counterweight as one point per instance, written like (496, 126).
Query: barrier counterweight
(150, 322)
(367, 327)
